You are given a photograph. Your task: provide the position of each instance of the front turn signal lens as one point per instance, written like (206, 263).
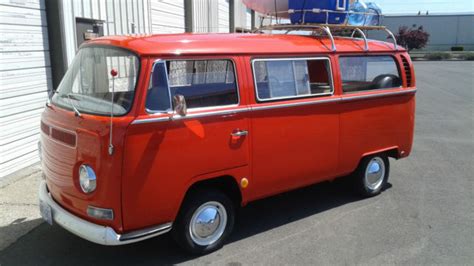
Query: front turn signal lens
(100, 213)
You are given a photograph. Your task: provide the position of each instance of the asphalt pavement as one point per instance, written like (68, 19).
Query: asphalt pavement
(425, 216)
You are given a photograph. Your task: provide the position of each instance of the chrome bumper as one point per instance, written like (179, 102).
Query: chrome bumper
(99, 234)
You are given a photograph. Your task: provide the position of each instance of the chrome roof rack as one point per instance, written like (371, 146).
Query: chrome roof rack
(328, 29)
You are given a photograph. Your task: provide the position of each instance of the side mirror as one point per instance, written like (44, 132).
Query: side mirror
(179, 105)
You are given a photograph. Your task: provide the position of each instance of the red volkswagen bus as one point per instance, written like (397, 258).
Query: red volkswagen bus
(159, 133)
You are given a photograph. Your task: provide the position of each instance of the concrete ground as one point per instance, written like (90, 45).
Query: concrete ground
(19, 204)
(425, 216)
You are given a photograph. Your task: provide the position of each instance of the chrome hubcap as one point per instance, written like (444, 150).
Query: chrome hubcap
(375, 173)
(208, 223)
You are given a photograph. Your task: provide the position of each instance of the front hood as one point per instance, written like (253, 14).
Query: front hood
(67, 143)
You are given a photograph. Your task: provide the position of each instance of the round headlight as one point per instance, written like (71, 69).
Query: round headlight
(87, 179)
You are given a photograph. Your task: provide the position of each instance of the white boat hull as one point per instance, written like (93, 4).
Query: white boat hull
(268, 6)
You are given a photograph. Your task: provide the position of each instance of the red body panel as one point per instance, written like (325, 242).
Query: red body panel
(375, 125)
(291, 143)
(61, 162)
(237, 44)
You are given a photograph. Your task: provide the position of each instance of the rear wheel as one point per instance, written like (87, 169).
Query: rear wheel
(205, 221)
(372, 175)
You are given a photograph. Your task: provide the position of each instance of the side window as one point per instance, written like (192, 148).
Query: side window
(291, 78)
(362, 73)
(203, 83)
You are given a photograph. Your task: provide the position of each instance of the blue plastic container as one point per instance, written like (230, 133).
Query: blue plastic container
(310, 17)
(375, 15)
(357, 19)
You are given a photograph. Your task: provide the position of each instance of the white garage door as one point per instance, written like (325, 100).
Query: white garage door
(211, 16)
(120, 17)
(25, 78)
(167, 16)
(223, 15)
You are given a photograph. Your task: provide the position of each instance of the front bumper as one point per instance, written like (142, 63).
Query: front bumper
(99, 234)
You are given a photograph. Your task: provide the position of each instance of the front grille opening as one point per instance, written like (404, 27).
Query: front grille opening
(45, 128)
(64, 137)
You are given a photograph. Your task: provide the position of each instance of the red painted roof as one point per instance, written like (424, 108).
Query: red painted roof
(236, 43)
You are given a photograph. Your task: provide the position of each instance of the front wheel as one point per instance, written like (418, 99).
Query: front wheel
(205, 220)
(372, 175)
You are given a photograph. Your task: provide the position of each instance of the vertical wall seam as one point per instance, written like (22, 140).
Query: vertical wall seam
(114, 15)
(82, 8)
(133, 18)
(92, 9)
(127, 19)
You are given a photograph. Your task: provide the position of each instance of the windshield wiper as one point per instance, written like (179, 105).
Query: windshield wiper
(73, 106)
(68, 95)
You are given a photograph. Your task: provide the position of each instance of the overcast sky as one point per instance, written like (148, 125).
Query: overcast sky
(433, 6)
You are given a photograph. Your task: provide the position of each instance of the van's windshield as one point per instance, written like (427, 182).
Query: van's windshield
(88, 83)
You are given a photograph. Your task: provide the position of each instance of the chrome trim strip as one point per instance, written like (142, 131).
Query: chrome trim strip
(216, 107)
(279, 99)
(146, 232)
(286, 105)
(189, 116)
(96, 233)
(151, 120)
(258, 107)
(212, 113)
(378, 95)
(292, 59)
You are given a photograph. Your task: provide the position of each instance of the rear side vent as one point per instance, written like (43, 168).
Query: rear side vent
(407, 69)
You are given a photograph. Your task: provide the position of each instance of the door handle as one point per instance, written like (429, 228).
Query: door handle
(239, 133)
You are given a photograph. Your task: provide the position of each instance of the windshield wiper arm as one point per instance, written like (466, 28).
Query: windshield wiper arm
(76, 111)
(78, 114)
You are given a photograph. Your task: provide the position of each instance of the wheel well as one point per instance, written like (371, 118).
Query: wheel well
(225, 184)
(393, 153)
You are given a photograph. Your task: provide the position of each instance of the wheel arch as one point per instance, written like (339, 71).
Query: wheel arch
(227, 184)
(392, 152)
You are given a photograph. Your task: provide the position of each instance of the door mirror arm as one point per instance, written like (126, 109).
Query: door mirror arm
(179, 105)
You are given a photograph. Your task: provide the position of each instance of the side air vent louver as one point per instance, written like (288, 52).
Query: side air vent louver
(407, 69)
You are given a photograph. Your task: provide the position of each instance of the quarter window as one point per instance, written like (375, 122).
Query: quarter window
(203, 83)
(292, 78)
(362, 73)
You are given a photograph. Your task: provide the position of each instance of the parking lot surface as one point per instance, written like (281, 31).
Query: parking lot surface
(425, 216)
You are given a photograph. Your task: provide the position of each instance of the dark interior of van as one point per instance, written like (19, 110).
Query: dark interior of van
(385, 81)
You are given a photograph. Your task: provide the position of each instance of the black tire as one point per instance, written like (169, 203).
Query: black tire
(181, 228)
(359, 177)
